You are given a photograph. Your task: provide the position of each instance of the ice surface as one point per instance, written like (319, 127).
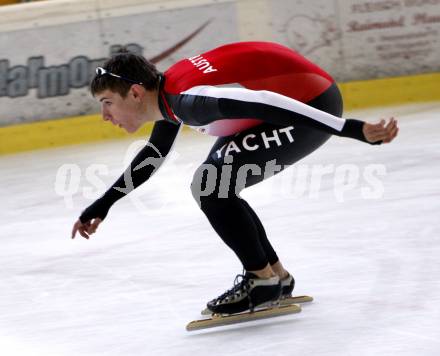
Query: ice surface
(371, 264)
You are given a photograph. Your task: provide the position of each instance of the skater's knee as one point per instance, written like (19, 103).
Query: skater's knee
(204, 183)
(211, 185)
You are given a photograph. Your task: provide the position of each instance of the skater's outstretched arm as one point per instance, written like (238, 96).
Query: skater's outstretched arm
(146, 162)
(201, 105)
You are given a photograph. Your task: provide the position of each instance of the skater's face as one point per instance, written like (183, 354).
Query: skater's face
(128, 112)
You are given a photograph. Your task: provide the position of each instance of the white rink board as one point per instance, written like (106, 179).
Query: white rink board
(49, 50)
(372, 265)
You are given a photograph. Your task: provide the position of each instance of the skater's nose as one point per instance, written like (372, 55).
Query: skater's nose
(106, 115)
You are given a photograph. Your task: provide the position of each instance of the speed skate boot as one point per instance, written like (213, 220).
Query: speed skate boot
(287, 285)
(248, 292)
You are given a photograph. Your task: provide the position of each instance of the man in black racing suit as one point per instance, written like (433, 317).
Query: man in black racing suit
(269, 106)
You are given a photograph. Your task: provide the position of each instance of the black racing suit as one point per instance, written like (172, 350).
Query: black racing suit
(271, 131)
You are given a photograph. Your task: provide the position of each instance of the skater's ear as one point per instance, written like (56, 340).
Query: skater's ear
(137, 92)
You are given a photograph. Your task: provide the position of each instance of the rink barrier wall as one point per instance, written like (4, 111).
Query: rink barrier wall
(91, 128)
(390, 91)
(58, 44)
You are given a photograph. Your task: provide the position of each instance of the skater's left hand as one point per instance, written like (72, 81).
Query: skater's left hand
(85, 229)
(381, 132)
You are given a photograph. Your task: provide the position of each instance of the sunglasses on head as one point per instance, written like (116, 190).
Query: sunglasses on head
(101, 71)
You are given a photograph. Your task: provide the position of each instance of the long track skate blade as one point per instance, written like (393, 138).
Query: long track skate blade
(219, 320)
(294, 300)
(283, 302)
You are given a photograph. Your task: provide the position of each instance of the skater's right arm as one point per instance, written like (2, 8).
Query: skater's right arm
(146, 162)
(203, 104)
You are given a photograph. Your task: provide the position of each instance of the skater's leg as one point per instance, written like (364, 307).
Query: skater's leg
(233, 222)
(274, 266)
(267, 247)
(231, 217)
(254, 150)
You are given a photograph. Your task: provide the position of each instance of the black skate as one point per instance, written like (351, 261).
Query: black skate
(247, 294)
(287, 285)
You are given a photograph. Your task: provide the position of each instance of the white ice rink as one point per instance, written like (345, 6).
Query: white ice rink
(372, 265)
